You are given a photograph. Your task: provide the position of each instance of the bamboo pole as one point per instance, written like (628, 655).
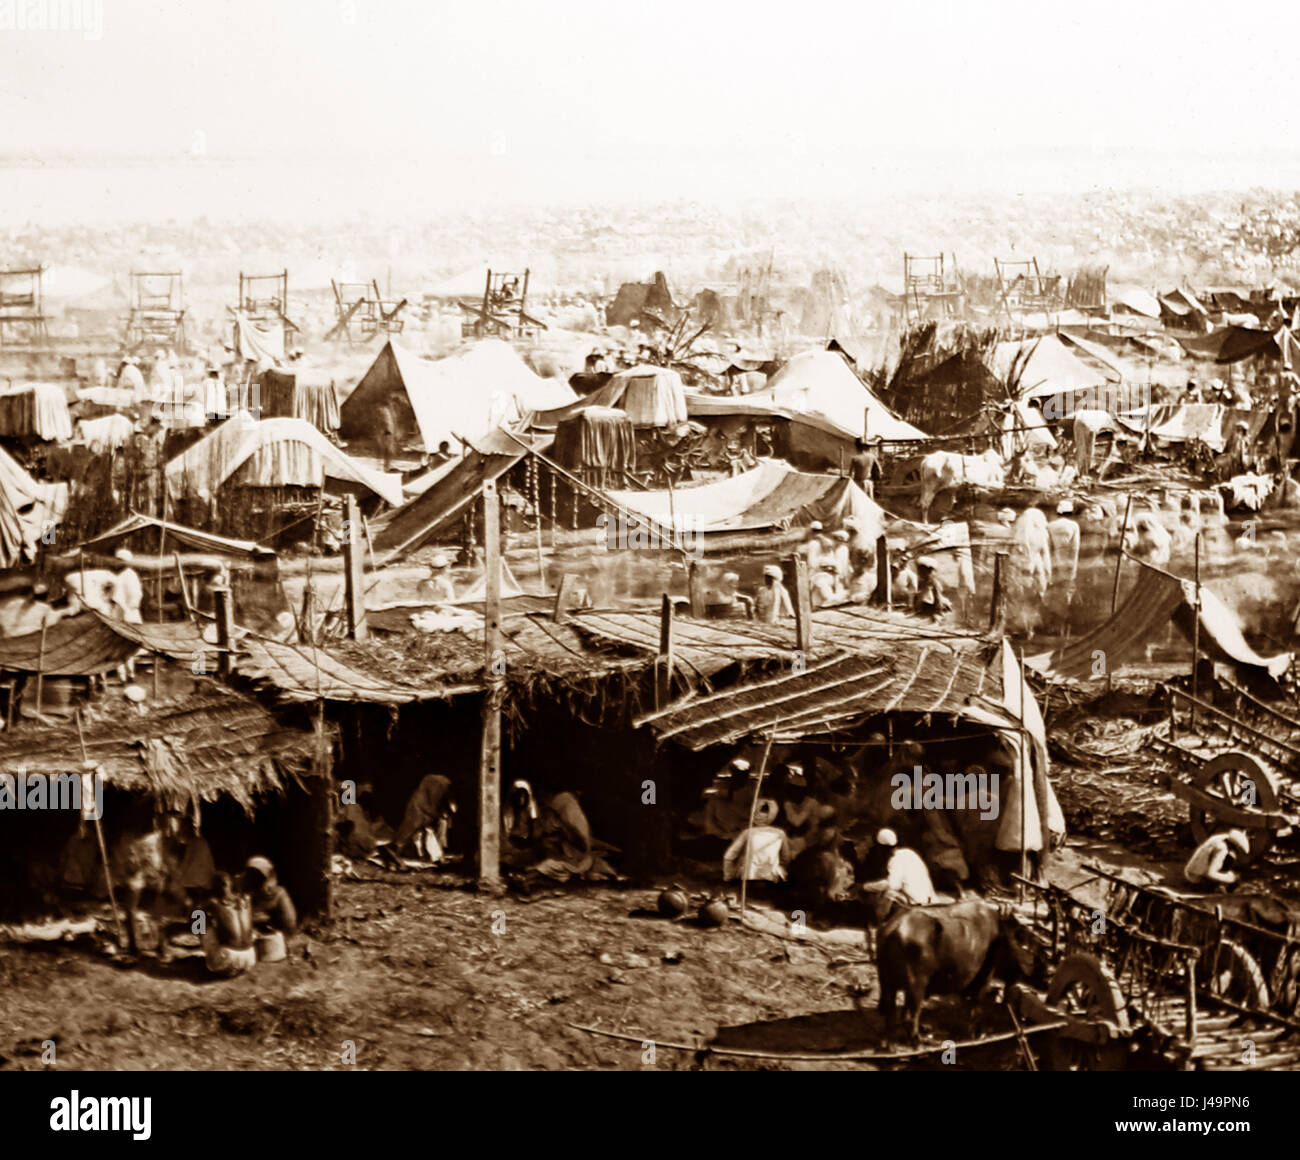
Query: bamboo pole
(749, 834)
(99, 833)
(185, 588)
(40, 661)
(1196, 628)
(489, 774)
(664, 662)
(1119, 560)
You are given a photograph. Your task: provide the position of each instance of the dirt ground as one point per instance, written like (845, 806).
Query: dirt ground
(419, 971)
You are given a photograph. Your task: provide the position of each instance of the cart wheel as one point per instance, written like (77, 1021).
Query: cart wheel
(1082, 986)
(1231, 972)
(1235, 777)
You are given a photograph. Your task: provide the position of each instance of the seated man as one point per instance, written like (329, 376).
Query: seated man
(227, 939)
(438, 585)
(772, 603)
(1213, 863)
(759, 853)
(361, 831)
(552, 838)
(727, 802)
(826, 588)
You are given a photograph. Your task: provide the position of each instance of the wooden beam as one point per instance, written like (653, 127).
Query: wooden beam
(354, 570)
(489, 770)
(225, 607)
(803, 621)
(664, 663)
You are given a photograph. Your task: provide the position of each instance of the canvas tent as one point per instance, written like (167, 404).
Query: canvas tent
(35, 410)
(820, 381)
(771, 496)
(270, 453)
(1156, 599)
(1046, 366)
(652, 397)
(27, 510)
(462, 396)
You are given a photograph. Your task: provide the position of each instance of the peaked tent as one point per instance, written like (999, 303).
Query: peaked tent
(271, 453)
(820, 381)
(462, 396)
(1046, 365)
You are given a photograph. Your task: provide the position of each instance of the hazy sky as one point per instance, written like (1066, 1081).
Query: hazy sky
(653, 96)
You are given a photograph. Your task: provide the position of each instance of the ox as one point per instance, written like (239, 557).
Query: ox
(943, 470)
(943, 950)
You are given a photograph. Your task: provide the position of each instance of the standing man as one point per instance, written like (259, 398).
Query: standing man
(386, 432)
(864, 467)
(1063, 535)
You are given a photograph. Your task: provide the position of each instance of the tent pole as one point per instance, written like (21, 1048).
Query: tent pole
(489, 770)
(749, 833)
(1196, 628)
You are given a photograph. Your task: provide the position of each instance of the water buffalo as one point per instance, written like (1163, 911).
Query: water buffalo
(942, 950)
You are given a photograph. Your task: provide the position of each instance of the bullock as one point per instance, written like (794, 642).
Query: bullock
(943, 470)
(943, 950)
(1148, 541)
(1032, 550)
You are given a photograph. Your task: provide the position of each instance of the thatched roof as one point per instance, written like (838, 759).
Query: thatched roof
(307, 673)
(913, 677)
(217, 742)
(90, 642)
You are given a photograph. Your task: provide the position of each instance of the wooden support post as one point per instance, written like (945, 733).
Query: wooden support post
(185, 588)
(1190, 967)
(749, 833)
(354, 570)
(884, 574)
(40, 660)
(489, 769)
(997, 614)
(1196, 630)
(225, 609)
(696, 588)
(803, 622)
(664, 663)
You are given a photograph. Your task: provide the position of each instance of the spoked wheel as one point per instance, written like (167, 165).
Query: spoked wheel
(1229, 971)
(1082, 987)
(1236, 779)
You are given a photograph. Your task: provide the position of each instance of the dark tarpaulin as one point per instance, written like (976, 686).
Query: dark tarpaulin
(599, 442)
(1156, 599)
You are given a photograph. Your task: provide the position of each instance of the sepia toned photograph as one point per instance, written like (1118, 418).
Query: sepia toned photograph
(603, 538)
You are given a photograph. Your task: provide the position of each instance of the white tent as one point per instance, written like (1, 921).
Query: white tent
(463, 395)
(1047, 367)
(820, 382)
